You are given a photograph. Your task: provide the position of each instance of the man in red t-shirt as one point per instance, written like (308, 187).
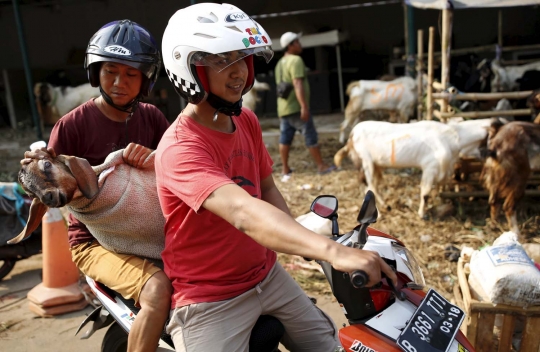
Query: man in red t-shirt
(123, 59)
(224, 216)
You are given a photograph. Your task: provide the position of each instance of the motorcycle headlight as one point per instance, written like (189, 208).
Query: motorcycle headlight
(410, 262)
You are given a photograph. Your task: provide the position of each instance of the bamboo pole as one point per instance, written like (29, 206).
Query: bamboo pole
(445, 50)
(478, 114)
(483, 194)
(437, 86)
(420, 74)
(429, 97)
(483, 96)
(490, 47)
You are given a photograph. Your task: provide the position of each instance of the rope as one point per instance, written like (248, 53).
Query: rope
(335, 8)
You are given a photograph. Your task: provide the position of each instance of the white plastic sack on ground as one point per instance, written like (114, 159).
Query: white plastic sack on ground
(503, 273)
(316, 224)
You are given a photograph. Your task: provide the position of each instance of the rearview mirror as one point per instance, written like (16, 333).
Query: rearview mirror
(368, 213)
(325, 206)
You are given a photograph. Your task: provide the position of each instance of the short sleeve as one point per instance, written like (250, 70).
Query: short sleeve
(191, 173)
(298, 69)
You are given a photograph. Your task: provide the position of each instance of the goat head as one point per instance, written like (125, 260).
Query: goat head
(52, 182)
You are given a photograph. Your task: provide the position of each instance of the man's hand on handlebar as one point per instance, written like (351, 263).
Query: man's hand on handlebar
(349, 260)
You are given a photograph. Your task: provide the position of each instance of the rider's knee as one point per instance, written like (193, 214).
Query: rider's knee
(158, 290)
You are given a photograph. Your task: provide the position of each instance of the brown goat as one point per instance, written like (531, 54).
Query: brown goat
(511, 148)
(53, 182)
(118, 203)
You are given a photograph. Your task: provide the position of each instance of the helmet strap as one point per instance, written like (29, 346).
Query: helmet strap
(223, 106)
(130, 107)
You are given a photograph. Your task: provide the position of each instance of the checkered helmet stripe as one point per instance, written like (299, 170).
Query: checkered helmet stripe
(186, 89)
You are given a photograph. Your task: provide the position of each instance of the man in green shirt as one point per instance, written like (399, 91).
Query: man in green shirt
(294, 110)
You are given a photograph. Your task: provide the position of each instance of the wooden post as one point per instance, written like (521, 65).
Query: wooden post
(499, 36)
(429, 97)
(420, 74)
(446, 37)
(340, 78)
(9, 100)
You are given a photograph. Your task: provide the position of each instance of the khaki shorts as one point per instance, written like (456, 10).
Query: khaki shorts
(124, 273)
(225, 326)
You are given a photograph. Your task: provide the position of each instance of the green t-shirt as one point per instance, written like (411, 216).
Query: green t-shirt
(287, 69)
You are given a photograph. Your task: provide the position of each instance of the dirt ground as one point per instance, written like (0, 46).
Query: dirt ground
(464, 223)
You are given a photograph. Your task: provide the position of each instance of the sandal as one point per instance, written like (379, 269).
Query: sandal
(327, 171)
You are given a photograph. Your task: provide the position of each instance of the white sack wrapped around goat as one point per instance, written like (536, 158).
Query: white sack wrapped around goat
(118, 203)
(504, 273)
(315, 223)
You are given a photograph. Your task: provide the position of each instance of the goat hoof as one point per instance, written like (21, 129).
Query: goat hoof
(425, 217)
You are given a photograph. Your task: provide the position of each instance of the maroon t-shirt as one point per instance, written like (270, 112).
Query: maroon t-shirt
(86, 133)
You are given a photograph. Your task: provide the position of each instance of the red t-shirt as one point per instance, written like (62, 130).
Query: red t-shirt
(207, 258)
(86, 133)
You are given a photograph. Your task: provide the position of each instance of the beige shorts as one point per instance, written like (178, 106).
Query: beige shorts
(124, 273)
(225, 326)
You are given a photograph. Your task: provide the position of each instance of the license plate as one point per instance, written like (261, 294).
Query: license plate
(433, 326)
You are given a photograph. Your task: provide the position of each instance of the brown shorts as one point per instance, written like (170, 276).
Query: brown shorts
(124, 273)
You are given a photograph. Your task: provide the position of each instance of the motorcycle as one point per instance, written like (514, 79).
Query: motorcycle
(14, 208)
(119, 313)
(384, 317)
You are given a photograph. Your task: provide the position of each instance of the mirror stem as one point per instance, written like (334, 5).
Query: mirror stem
(362, 237)
(335, 226)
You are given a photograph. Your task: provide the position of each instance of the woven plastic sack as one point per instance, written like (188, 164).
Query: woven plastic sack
(504, 274)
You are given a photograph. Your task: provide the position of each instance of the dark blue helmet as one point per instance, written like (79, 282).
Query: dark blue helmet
(128, 43)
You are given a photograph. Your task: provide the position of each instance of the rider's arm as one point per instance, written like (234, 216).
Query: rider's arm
(277, 230)
(271, 194)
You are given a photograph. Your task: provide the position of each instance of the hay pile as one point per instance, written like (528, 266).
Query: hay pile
(426, 238)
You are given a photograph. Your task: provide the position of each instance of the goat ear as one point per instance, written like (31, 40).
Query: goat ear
(83, 173)
(37, 210)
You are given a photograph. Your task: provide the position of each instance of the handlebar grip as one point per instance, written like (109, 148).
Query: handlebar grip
(359, 278)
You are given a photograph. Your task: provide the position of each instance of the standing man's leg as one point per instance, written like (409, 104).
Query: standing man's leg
(312, 138)
(287, 131)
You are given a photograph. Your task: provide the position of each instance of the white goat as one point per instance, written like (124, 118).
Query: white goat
(61, 100)
(431, 146)
(250, 99)
(504, 78)
(397, 96)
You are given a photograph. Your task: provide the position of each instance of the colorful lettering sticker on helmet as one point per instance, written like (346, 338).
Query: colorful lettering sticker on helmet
(254, 40)
(252, 31)
(117, 49)
(237, 16)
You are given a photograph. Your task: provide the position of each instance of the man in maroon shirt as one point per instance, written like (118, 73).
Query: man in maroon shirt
(123, 59)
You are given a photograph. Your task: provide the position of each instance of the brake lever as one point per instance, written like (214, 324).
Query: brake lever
(398, 293)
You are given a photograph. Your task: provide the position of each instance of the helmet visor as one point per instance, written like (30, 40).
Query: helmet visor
(221, 61)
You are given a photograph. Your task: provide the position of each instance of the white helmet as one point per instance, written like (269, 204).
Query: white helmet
(209, 34)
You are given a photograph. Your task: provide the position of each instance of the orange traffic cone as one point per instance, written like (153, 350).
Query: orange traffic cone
(59, 292)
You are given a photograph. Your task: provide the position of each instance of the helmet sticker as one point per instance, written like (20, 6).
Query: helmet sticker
(117, 49)
(237, 16)
(254, 40)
